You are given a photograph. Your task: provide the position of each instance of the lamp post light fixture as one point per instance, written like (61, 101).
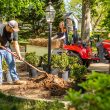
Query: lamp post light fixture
(50, 15)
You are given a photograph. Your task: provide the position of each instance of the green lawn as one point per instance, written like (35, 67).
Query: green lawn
(39, 50)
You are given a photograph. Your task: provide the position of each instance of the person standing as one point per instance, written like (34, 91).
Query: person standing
(9, 34)
(60, 36)
(100, 48)
(75, 36)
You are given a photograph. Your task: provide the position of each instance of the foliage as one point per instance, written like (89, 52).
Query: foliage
(78, 72)
(33, 12)
(99, 13)
(76, 8)
(62, 61)
(4, 66)
(15, 8)
(45, 59)
(97, 95)
(60, 10)
(106, 21)
(13, 103)
(32, 58)
(30, 11)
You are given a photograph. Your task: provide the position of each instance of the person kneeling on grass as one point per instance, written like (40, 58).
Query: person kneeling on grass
(9, 34)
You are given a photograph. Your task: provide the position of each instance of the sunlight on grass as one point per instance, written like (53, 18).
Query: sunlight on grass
(40, 51)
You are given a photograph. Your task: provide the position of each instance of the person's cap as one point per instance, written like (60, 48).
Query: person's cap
(14, 25)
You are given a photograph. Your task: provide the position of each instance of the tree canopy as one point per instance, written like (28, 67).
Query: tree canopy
(99, 13)
(30, 11)
(33, 12)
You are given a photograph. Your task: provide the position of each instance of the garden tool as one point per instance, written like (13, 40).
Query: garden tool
(23, 60)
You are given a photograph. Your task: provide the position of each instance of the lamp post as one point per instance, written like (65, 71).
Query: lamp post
(50, 15)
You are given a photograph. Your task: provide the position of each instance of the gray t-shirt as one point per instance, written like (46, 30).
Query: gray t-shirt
(5, 37)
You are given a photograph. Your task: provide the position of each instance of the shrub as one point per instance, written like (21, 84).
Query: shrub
(32, 58)
(62, 61)
(77, 72)
(97, 95)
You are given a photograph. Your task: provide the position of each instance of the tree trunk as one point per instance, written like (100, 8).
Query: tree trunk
(85, 29)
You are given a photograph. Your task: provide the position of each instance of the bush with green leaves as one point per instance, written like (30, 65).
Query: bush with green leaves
(97, 95)
(45, 59)
(77, 72)
(32, 58)
(62, 61)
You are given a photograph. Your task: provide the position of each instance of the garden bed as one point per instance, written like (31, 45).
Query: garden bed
(41, 87)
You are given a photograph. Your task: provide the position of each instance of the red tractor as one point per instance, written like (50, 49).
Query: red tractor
(106, 47)
(80, 49)
(82, 52)
(76, 47)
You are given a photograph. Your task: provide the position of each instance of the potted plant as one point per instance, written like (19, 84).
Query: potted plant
(55, 60)
(34, 60)
(66, 63)
(61, 62)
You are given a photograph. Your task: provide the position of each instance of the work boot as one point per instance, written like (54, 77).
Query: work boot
(19, 82)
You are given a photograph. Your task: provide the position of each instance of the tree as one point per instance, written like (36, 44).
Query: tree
(81, 9)
(32, 13)
(76, 8)
(85, 30)
(98, 13)
(11, 8)
(106, 20)
(59, 7)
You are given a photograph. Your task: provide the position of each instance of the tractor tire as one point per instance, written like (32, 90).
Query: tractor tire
(80, 61)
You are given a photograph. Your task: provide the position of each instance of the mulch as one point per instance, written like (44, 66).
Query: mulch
(42, 86)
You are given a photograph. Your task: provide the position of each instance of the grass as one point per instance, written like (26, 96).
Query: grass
(13, 103)
(40, 51)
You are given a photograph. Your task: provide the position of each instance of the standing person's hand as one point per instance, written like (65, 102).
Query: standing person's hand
(20, 57)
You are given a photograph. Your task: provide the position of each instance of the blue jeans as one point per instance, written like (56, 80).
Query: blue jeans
(11, 64)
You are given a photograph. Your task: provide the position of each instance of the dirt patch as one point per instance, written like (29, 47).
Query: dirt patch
(43, 86)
